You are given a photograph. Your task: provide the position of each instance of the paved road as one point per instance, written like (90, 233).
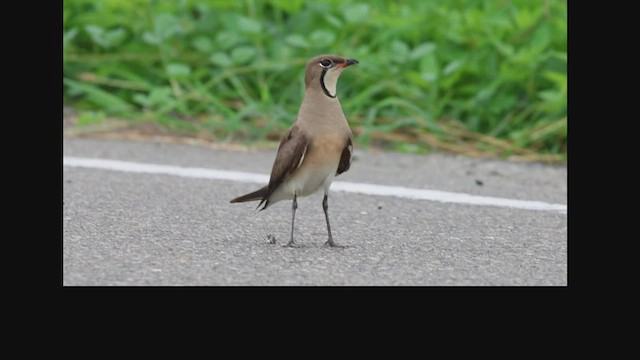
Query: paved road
(123, 228)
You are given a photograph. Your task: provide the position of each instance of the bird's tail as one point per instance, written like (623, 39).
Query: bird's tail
(259, 194)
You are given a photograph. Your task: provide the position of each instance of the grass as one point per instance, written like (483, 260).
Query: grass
(484, 78)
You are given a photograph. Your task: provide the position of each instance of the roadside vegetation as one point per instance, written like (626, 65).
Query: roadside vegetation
(482, 78)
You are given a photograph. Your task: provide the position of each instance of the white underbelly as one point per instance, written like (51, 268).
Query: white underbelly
(306, 181)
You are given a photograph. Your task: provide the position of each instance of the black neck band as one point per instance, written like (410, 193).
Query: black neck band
(326, 92)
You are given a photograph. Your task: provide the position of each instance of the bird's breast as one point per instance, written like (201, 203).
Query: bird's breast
(318, 167)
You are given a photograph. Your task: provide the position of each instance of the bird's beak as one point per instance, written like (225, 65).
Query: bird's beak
(350, 62)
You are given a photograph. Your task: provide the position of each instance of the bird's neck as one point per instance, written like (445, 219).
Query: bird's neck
(320, 111)
(315, 94)
(329, 82)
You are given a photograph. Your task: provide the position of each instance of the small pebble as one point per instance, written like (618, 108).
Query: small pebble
(271, 238)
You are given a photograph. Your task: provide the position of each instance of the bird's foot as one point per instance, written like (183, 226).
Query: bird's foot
(331, 243)
(291, 244)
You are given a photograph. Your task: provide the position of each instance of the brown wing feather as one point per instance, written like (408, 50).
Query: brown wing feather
(345, 158)
(292, 148)
(253, 196)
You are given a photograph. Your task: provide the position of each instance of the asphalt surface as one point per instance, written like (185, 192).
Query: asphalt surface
(150, 229)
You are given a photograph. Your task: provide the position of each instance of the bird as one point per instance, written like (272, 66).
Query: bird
(316, 148)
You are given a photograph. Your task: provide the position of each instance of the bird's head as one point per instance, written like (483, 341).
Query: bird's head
(323, 71)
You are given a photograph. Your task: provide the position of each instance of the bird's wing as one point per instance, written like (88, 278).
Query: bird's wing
(293, 147)
(345, 158)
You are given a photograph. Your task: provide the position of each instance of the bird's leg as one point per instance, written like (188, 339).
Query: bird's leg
(325, 207)
(294, 206)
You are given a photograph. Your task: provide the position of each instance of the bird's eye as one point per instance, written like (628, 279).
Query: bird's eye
(325, 63)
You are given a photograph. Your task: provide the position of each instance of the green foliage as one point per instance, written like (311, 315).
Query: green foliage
(235, 69)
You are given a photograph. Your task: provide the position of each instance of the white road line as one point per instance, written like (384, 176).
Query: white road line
(361, 188)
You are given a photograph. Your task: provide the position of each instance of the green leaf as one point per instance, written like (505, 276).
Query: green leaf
(320, 38)
(221, 59)
(333, 20)
(95, 33)
(114, 37)
(69, 35)
(429, 69)
(90, 117)
(550, 95)
(249, 26)
(202, 44)
(159, 99)
(503, 102)
(161, 96)
(487, 92)
(399, 51)
(142, 100)
(560, 79)
(452, 67)
(242, 55)
(297, 40)
(355, 13)
(541, 37)
(97, 96)
(504, 49)
(166, 26)
(562, 55)
(226, 40)
(150, 38)
(422, 50)
(178, 70)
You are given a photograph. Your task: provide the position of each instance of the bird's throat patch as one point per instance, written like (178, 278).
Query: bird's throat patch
(329, 81)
